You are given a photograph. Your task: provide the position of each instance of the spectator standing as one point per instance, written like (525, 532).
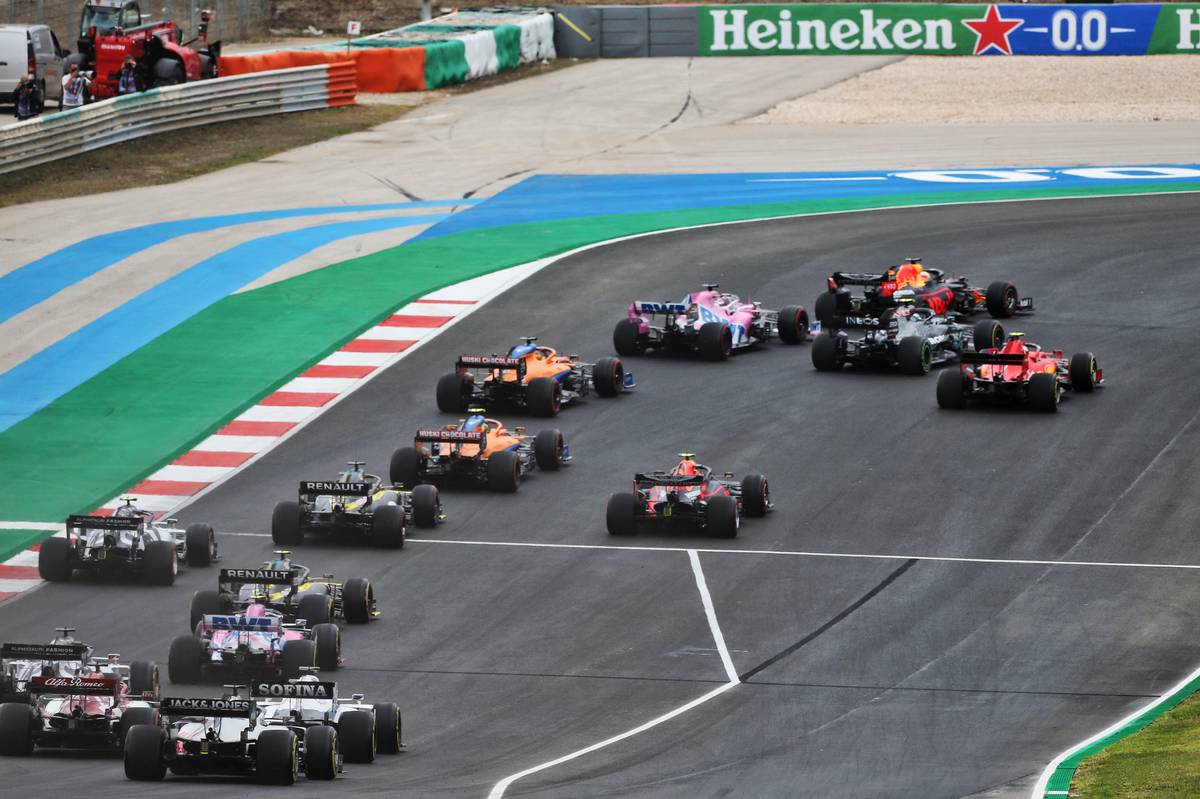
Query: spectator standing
(27, 99)
(75, 86)
(130, 79)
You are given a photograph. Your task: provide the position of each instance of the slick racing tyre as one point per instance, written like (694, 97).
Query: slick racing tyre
(16, 729)
(608, 377)
(387, 527)
(320, 753)
(454, 392)
(184, 663)
(826, 353)
(504, 472)
(621, 516)
(1083, 372)
(426, 506)
(315, 609)
(328, 639)
(1044, 392)
(133, 717)
(387, 728)
(1002, 299)
(403, 470)
(286, 529)
(201, 544)
(715, 341)
(756, 495)
(357, 728)
(204, 603)
(723, 518)
(988, 335)
(143, 678)
(547, 450)
(825, 308)
(627, 339)
(793, 325)
(915, 355)
(160, 563)
(543, 397)
(952, 390)
(143, 753)
(296, 653)
(54, 560)
(357, 597)
(278, 756)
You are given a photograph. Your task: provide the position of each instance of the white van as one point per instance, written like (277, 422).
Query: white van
(30, 50)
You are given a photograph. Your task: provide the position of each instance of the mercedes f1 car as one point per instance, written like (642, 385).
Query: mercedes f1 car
(258, 642)
(62, 657)
(689, 494)
(911, 337)
(357, 504)
(289, 589)
(709, 323)
(930, 288)
(1019, 372)
(480, 450)
(364, 729)
(537, 379)
(130, 543)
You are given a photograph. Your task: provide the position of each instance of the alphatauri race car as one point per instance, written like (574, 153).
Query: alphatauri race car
(480, 450)
(708, 323)
(689, 494)
(364, 729)
(256, 642)
(62, 657)
(536, 379)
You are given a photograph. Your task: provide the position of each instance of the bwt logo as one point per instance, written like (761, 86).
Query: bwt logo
(662, 307)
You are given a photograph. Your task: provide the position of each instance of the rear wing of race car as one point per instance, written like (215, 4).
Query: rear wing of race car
(294, 690)
(207, 708)
(863, 323)
(642, 480)
(840, 279)
(256, 577)
(103, 522)
(994, 358)
(497, 363)
(314, 488)
(650, 308)
(74, 686)
(242, 624)
(449, 437)
(43, 652)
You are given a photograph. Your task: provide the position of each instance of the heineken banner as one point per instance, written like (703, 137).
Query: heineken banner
(932, 29)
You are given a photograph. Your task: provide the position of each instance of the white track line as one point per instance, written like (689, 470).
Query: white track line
(714, 626)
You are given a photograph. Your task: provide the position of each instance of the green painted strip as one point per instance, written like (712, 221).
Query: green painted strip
(15, 541)
(445, 63)
(508, 46)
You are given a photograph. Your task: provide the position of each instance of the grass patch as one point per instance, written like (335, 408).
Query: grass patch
(169, 157)
(1162, 761)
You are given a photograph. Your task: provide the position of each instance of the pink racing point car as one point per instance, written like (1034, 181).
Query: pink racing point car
(257, 642)
(709, 323)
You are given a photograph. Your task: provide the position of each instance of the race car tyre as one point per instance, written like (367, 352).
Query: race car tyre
(1044, 392)
(723, 518)
(547, 449)
(357, 593)
(403, 470)
(357, 728)
(756, 495)
(952, 390)
(454, 392)
(278, 756)
(621, 515)
(825, 308)
(1083, 372)
(54, 560)
(793, 324)
(543, 397)
(915, 355)
(161, 563)
(1002, 299)
(387, 527)
(201, 544)
(16, 728)
(387, 728)
(426, 506)
(504, 472)
(989, 334)
(608, 377)
(184, 663)
(320, 753)
(296, 653)
(205, 603)
(329, 646)
(627, 338)
(715, 342)
(315, 608)
(134, 717)
(143, 753)
(826, 356)
(143, 678)
(285, 524)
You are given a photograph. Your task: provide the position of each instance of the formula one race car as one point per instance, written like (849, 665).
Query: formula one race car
(92, 710)
(930, 288)
(689, 494)
(913, 338)
(709, 323)
(130, 542)
(358, 504)
(481, 450)
(62, 657)
(258, 642)
(1019, 372)
(537, 379)
(290, 590)
(364, 730)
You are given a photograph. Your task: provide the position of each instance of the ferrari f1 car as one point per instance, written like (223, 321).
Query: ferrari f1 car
(930, 288)
(689, 494)
(535, 378)
(91, 710)
(130, 542)
(913, 338)
(357, 504)
(1019, 372)
(480, 450)
(364, 729)
(62, 657)
(709, 323)
(256, 641)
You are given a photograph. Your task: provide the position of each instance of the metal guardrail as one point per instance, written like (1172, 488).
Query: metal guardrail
(121, 119)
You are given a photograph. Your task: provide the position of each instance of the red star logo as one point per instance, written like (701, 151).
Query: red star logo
(993, 31)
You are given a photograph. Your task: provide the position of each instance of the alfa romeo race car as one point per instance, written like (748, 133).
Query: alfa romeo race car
(1019, 372)
(62, 657)
(130, 543)
(357, 504)
(689, 494)
(480, 450)
(290, 590)
(913, 338)
(257, 642)
(930, 288)
(535, 378)
(364, 729)
(709, 323)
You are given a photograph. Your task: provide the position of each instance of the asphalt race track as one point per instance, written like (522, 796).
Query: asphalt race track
(863, 677)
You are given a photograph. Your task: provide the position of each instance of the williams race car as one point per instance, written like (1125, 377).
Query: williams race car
(129, 543)
(709, 323)
(534, 378)
(689, 494)
(357, 504)
(258, 642)
(364, 730)
(62, 657)
(1019, 372)
(480, 450)
(913, 338)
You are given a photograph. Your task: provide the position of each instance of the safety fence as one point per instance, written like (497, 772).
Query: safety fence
(170, 108)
